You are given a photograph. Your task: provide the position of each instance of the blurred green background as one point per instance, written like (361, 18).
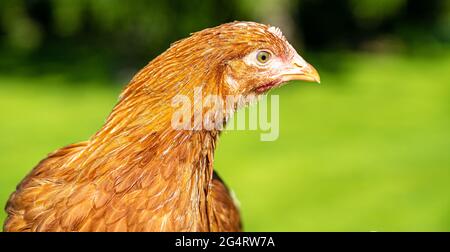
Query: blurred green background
(367, 150)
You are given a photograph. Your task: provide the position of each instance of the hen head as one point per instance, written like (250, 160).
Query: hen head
(238, 58)
(260, 58)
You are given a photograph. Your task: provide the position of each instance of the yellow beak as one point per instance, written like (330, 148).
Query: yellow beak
(300, 70)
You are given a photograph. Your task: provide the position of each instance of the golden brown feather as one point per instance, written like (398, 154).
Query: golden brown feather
(137, 173)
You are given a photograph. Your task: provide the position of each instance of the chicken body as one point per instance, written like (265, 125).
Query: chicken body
(133, 199)
(138, 172)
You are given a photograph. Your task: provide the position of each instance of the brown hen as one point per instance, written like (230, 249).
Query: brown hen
(138, 172)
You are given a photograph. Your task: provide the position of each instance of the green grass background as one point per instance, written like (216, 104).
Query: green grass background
(367, 150)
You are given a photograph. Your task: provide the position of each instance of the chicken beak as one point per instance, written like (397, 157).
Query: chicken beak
(299, 69)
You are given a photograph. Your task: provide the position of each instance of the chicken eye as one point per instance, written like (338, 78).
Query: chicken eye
(263, 57)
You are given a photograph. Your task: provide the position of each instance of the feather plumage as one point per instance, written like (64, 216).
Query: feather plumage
(137, 173)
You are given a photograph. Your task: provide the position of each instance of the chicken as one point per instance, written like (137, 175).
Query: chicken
(139, 173)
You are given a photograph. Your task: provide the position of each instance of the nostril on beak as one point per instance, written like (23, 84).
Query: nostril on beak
(299, 65)
(299, 69)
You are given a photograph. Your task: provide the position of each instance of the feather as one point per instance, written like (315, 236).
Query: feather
(138, 173)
